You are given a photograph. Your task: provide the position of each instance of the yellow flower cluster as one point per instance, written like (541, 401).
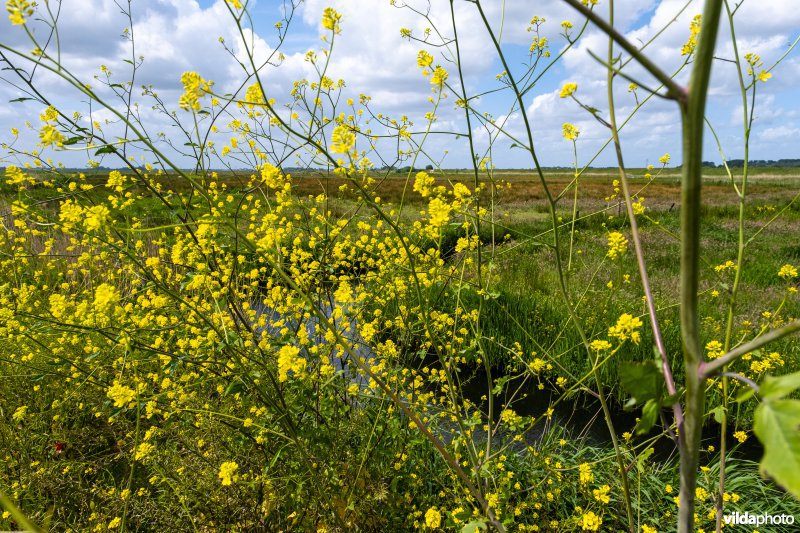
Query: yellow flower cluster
(590, 522)
(194, 88)
(787, 272)
(227, 472)
(342, 140)
(627, 327)
(19, 10)
(585, 475)
(570, 132)
(568, 90)
(602, 494)
(331, 19)
(617, 245)
(120, 394)
(694, 30)
(289, 360)
(433, 518)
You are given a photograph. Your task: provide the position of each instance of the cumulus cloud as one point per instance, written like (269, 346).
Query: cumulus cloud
(373, 58)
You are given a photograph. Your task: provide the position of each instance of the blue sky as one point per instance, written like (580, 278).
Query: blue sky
(179, 35)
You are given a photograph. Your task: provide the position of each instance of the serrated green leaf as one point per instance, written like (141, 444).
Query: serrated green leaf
(777, 426)
(778, 387)
(642, 381)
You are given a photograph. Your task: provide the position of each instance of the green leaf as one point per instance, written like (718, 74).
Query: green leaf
(473, 526)
(642, 381)
(107, 149)
(745, 395)
(778, 387)
(777, 426)
(234, 387)
(719, 414)
(642, 459)
(72, 140)
(649, 416)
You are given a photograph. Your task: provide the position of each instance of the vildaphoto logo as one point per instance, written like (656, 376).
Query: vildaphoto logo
(748, 519)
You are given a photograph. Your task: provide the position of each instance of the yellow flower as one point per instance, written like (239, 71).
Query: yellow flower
(764, 75)
(601, 494)
(423, 183)
(194, 88)
(648, 529)
(272, 176)
(120, 394)
(714, 349)
(105, 297)
(617, 244)
(585, 473)
(288, 360)
(439, 212)
(18, 10)
(664, 159)
(787, 272)
(115, 522)
(741, 436)
(439, 77)
(433, 518)
(570, 132)
(227, 471)
(50, 136)
(19, 413)
(568, 89)
(331, 19)
(626, 328)
(15, 176)
(599, 345)
(424, 59)
(591, 522)
(343, 139)
(96, 217)
(694, 30)
(638, 206)
(727, 265)
(143, 450)
(235, 4)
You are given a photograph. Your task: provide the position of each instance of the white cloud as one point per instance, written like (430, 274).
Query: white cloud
(370, 55)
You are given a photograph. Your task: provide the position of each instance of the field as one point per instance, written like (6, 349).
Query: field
(521, 321)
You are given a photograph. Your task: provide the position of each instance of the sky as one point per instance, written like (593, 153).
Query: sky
(174, 36)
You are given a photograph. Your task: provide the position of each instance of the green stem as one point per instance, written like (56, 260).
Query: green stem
(693, 113)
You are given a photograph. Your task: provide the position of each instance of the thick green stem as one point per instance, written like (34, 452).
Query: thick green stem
(693, 113)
